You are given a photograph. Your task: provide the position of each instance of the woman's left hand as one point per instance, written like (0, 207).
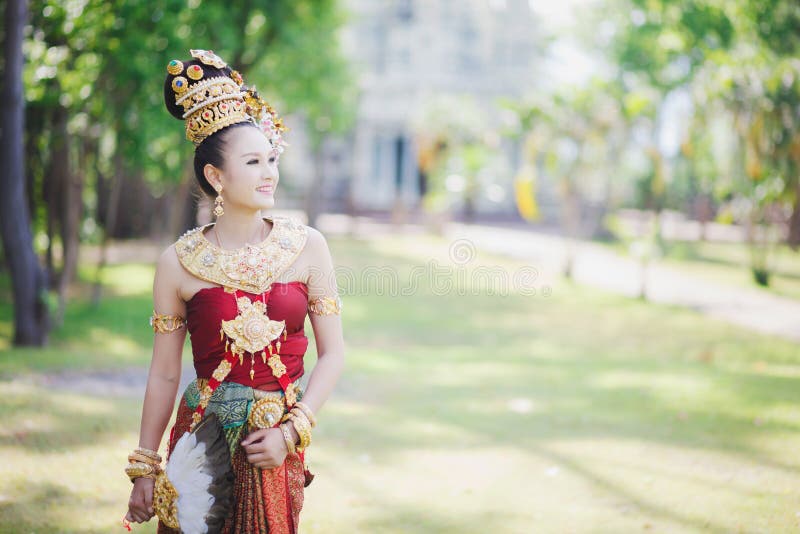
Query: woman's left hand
(265, 448)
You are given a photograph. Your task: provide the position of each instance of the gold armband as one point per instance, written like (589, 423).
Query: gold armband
(165, 324)
(325, 305)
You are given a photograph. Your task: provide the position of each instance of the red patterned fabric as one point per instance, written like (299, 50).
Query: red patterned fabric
(206, 310)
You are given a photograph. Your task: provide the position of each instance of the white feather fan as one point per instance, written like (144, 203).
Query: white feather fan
(199, 468)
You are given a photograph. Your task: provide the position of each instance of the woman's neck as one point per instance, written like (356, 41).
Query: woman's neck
(236, 229)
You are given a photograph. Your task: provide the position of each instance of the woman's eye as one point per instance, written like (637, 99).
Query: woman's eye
(273, 160)
(252, 161)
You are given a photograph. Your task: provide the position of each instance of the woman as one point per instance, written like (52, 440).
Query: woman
(242, 287)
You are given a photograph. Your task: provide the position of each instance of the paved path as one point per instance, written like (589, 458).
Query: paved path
(597, 266)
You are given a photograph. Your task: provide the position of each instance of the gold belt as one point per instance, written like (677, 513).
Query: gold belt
(269, 406)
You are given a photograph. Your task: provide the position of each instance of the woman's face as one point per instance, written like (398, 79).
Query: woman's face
(249, 176)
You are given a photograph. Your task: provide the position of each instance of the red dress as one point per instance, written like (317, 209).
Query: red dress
(208, 307)
(264, 500)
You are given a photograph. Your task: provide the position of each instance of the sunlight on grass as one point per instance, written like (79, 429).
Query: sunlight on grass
(122, 280)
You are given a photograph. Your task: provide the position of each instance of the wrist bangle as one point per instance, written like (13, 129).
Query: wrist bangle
(287, 436)
(149, 453)
(300, 414)
(307, 412)
(140, 469)
(303, 429)
(137, 457)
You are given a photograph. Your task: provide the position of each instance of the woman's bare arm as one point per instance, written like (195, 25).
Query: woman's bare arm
(327, 328)
(165, 368)
(162, 380)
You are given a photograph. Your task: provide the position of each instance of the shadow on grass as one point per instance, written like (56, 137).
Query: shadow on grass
(42, 421)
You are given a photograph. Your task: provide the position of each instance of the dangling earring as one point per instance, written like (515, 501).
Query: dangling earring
(218, 211)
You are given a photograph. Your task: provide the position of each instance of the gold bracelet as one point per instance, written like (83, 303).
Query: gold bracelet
(303, 430)
(137, 457)
(287, 436)
(299, 413)
(140, 469)
(308, 412)
(148, 452)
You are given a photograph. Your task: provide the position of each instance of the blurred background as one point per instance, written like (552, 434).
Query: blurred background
(567, 236)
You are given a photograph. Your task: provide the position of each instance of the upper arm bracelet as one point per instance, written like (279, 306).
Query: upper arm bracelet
(325, 305)
(164, 323)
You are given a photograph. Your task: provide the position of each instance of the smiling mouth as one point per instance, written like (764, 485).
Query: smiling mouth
(264, 189)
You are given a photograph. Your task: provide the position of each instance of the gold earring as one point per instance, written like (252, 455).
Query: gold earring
(218, 211)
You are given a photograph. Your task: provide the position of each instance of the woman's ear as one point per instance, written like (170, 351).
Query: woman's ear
(212, 175)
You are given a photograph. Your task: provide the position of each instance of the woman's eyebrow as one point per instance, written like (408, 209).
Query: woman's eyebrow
(251, 154)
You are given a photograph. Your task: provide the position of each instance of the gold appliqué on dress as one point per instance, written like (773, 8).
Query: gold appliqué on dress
(251, 330)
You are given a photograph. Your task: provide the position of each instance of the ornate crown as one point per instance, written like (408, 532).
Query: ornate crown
(213, 103)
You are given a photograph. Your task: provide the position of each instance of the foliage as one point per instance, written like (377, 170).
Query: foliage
(102, 63)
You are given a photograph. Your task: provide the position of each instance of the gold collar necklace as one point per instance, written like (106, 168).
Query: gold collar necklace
(252, 268)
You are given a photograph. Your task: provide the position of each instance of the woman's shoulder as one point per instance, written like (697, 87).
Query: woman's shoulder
(168, 263)
(315, 241)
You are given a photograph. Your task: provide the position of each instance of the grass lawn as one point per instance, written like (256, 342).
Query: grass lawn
(460, 411)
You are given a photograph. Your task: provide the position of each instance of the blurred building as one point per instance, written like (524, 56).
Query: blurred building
(405, 52)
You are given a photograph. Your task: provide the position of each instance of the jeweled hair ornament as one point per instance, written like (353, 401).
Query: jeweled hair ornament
(212, 103)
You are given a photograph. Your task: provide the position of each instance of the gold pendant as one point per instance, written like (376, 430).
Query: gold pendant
(251, 330)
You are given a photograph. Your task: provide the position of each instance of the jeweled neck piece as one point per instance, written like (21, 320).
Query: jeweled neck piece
(252, 268)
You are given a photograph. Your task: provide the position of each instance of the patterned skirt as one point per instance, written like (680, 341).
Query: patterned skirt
(265, 501)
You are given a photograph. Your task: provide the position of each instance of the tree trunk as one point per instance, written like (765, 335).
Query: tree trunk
(30, 314)
(109, 216)
(794, 221)
(72, 208)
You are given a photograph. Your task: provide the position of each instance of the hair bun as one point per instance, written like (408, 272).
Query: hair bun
(203, 93)
(181, 75)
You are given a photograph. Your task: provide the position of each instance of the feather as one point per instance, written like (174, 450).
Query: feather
(200, 470)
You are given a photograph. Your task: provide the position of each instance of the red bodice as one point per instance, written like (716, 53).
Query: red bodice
(205, 311)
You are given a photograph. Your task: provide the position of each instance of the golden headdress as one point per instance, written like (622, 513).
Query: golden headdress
(211, 103)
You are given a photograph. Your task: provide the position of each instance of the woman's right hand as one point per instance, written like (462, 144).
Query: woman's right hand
(140, 505)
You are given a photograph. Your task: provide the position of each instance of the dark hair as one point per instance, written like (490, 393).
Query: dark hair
(211, 149)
